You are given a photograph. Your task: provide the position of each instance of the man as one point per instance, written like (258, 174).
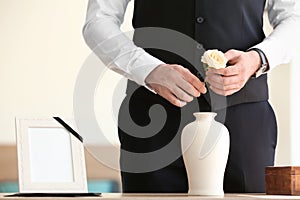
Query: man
(238, 93)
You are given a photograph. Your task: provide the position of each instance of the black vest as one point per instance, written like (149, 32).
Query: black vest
(215, 24)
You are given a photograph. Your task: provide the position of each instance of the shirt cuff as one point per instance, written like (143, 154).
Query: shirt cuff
(273, 55)
(146, 63)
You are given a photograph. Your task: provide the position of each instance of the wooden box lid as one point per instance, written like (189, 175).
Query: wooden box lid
(292, 170)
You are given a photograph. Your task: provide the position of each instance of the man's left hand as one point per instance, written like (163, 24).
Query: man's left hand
(229, 80)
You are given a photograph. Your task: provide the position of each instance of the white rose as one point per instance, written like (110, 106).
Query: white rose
(214, 58)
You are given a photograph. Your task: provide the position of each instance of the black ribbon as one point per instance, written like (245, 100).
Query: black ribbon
(69, 128)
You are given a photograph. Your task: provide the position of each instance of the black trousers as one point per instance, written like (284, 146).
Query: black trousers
(253, 137)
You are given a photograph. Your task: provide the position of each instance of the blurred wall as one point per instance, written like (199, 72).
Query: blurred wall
(41, 53)
(42, 50)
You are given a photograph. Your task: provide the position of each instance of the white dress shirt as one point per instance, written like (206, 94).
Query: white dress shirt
(103, 35)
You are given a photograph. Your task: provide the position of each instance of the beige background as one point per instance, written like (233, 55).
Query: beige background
(42, 50)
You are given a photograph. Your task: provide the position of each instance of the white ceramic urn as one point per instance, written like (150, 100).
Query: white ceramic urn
(205, 147)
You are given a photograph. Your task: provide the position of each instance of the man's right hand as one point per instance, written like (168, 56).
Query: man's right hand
(175, 83)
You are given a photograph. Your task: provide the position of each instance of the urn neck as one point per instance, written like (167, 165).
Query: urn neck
(204, 116)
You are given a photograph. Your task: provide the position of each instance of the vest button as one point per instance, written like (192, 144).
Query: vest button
(199, 75)
(200, 47)
(200, 20)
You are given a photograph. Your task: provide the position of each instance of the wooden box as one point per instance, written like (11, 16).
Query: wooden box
(283, 180)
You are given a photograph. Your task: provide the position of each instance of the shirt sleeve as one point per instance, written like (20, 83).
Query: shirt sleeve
(103, 35)
(280, 46)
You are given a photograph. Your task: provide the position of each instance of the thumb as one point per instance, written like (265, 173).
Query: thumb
(232, 55)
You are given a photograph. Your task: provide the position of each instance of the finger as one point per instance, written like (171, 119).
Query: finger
(222, 80)
(223, 92)
(169, 96)
(215, 80)
(232, 55)
(228, 71)
(191, 78)
(223, 86)
(187, 87)
(178, 92)
(181, 95)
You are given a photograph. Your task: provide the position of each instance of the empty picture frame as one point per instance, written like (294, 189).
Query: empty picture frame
(50, 158)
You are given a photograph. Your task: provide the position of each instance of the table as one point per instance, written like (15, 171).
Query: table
(118, 196)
